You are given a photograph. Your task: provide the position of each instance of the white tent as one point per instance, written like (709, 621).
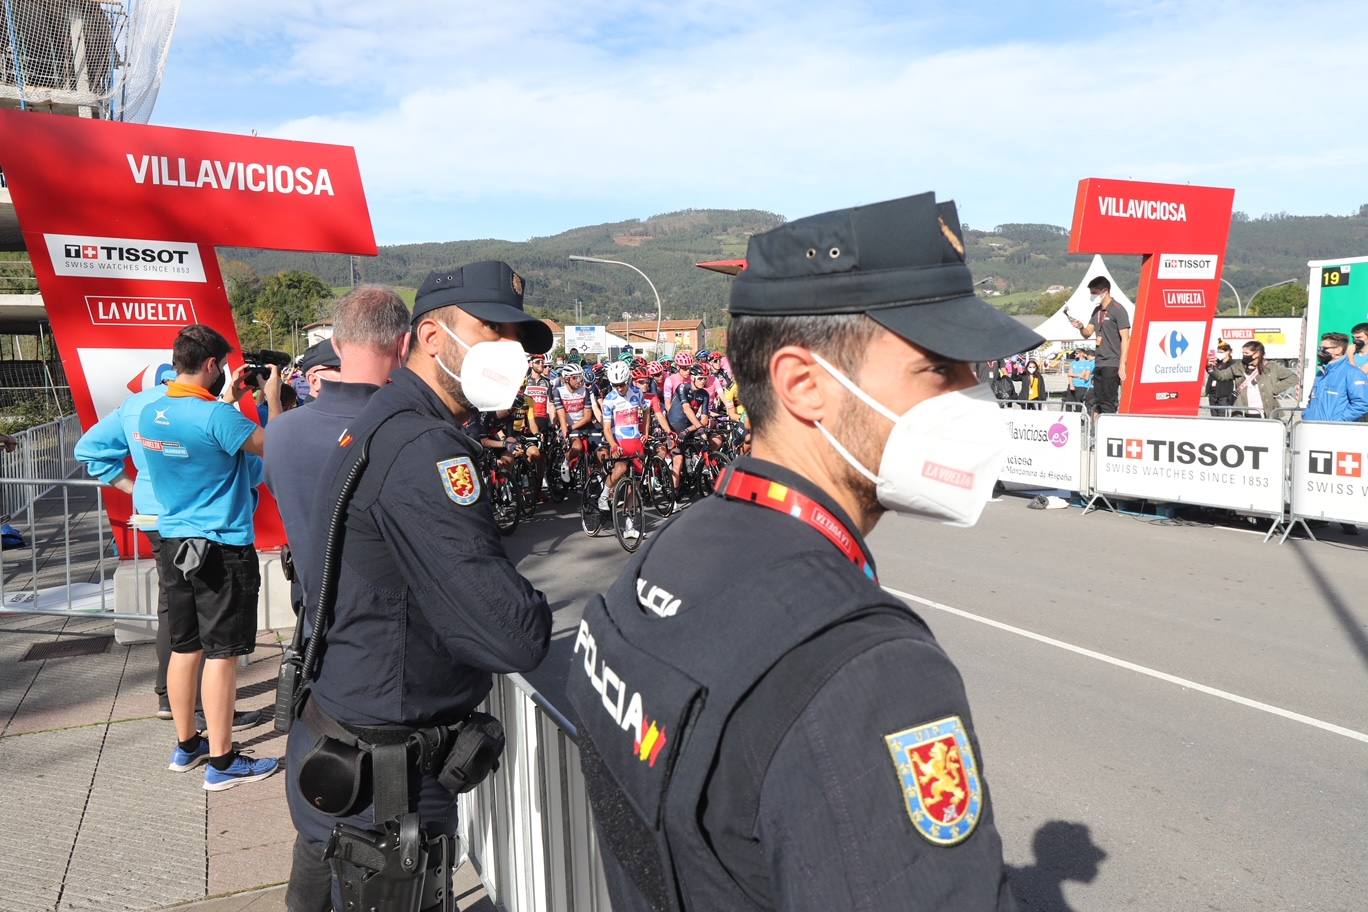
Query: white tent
(1058, 328)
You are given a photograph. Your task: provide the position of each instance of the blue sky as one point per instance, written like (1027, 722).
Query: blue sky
(527, 118)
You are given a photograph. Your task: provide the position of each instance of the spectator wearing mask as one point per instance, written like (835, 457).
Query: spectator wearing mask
(1220, 392)
(1110, 325)
(202, 455)
(1033, 385)
(1359, 356)
(1257, 380)
(1081, 377)
(1341, 391)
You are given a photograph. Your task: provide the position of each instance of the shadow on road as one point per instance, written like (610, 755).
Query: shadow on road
(1064, 851)
(1353, 625)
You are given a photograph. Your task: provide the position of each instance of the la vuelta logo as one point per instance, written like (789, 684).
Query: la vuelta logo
(627, 713)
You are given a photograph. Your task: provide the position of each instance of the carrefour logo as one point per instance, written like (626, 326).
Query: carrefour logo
(1174, 344)
(1173, 352)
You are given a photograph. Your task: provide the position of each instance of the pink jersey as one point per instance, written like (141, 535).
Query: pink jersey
(671, 387)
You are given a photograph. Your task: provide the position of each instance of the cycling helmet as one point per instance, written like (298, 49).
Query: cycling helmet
(640, 373)
(618, 372)
(683, 359)
(702, 355)
(715, 356)
(571, 370)
(655, 369)
(697, 371)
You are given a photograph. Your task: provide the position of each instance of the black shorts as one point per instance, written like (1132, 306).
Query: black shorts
(216, 609)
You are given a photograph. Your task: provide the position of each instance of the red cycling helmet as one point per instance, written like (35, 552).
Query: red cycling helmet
(640, 373)
(655, 369)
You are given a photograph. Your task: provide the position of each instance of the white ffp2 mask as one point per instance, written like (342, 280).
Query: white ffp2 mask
(491, 374)
(942, 457)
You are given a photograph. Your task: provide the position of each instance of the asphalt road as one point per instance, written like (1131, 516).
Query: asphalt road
(1172, 717)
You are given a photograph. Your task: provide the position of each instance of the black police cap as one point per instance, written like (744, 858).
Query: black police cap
(900, 262)
(489, 290)
(320, 354)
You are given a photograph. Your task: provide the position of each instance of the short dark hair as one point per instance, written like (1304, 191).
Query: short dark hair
(1256, 346)
(1360, 328)
(196, 344)
(1339, 339)
(1099, 283)
(753, 340)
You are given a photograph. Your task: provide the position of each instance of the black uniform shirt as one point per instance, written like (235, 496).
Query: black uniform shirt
(833, 827)
(428, 603)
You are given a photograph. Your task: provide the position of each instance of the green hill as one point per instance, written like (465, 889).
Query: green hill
(1021, 260)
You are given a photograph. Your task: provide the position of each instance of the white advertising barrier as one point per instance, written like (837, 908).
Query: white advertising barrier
(1281, 336)
(1046, 450)
(1328, 478)
(1235, 463)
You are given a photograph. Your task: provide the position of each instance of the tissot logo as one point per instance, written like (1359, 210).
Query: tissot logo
(1187, 265)
(124, 258)
(1327, 462)
(1187, 452)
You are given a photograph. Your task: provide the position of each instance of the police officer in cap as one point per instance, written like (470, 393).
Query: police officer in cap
(428, 604)
(795, 738)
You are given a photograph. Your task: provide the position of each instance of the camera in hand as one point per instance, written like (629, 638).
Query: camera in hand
(257, 366)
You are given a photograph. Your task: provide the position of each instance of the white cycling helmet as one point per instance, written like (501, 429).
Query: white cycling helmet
(618, 372)
(571, 370)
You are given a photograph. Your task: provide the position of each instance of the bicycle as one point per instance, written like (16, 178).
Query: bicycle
(658, 476)
(504, 497)
(702, 465)
(629, 503)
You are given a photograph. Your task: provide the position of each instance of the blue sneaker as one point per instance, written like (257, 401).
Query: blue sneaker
(182, 761)
(244, 769)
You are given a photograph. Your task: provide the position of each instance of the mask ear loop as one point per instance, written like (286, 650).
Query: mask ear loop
(867, 400)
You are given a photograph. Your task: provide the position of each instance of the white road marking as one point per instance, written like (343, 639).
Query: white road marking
(1140, 669)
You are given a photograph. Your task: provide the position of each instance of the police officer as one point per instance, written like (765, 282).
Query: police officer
(428, 604)
(795, 738)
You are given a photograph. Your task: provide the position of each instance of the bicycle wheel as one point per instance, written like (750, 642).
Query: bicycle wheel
(557, 476)
(591, 519)
(708, 473)
(659, 484)
(507, 506)
(629, 513)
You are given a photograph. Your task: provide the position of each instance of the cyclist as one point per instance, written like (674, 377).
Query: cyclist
(622, 418)
(642, 380)
(576, 409)
(683, 361)
(537, 399)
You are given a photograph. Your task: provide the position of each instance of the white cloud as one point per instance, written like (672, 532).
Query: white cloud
(820, 106)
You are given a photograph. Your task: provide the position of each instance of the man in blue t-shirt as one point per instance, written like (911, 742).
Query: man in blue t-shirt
(203, 459)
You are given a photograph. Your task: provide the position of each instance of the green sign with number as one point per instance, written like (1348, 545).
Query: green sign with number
(1343, 302)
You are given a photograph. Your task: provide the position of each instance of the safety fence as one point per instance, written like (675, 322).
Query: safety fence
(1278, 467)
(44, 452)
(527, 829)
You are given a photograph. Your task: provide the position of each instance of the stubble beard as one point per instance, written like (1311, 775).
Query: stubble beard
(855, 429)
(453, 356)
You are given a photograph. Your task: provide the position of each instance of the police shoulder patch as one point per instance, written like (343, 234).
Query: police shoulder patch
(460, 480)
(939, 778)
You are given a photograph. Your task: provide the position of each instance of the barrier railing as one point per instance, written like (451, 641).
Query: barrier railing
(1049, 448)
(44, 451)
(527, 829)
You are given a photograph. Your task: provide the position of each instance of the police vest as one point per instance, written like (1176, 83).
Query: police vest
(653, 694)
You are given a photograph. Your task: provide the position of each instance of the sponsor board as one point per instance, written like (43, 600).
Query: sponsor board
(1173, 352)
(1046, 449)
(1184, 297)
(122, 372)
(1234, 463)
(121, 310)
(1328, 476)
(1281, 336)
(85, 256)
(1187, 265)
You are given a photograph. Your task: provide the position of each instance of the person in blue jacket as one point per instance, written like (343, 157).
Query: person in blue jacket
(1341, 391)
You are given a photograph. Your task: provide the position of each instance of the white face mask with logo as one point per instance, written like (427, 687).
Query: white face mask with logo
(492, 372)
(942, 457)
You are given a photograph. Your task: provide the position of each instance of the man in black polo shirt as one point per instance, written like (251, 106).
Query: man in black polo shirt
(370, 339)
(1111, 325)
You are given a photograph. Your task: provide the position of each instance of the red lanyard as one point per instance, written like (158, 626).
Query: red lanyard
(738, 485)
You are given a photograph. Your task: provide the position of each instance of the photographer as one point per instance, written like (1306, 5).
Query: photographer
(1258, 381)
(1220, 392)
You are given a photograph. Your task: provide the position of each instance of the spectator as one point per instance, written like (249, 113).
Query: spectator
(1359, 357)
(320, 362)
(1341, 391)
(1110, 324)
(1081, 377)
(1220, 392)
(201, 456)
(289, 399)
(1033, 385)
(1257, 381)
(103, 450)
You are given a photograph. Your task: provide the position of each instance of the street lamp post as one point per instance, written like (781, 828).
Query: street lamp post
(1239, 308)
(589, 259)
(270, 332)
(1274, 285)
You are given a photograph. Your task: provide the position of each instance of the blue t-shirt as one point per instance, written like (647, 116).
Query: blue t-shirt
(1081, 372)
(114, 438)
(205, 481)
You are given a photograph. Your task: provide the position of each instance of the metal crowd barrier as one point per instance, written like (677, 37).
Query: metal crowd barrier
(44, 451)
(527, 829)
(84, 586)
